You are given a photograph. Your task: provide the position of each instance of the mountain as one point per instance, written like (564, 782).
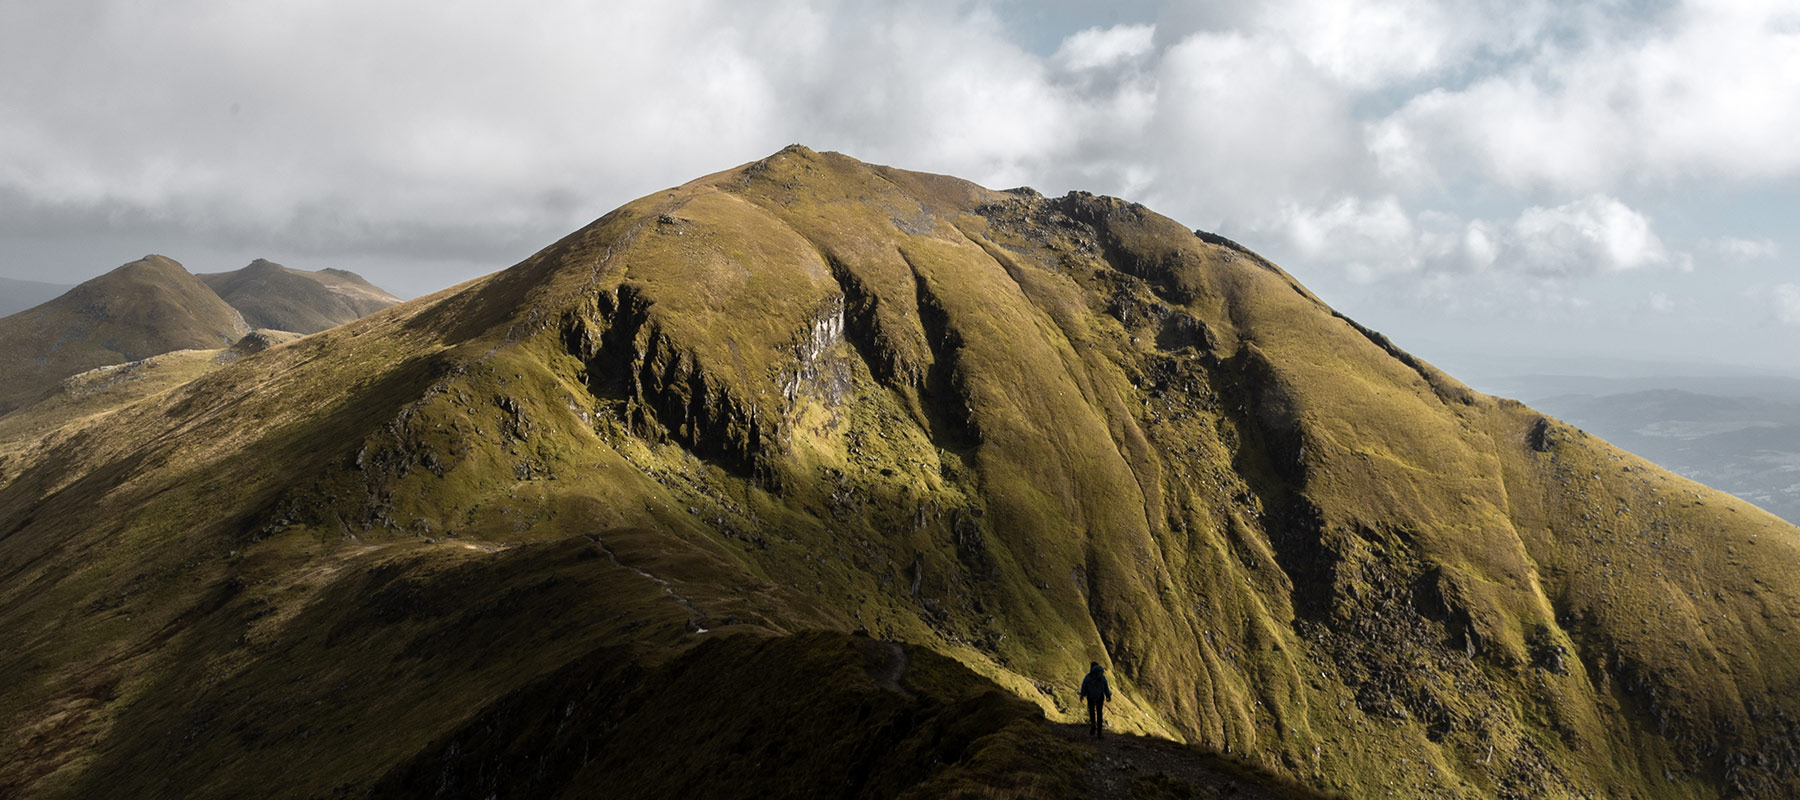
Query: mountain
(154, 306)
(141, 309)
(272, 296)
(813, 477)
(17, 295)
(1749, 446)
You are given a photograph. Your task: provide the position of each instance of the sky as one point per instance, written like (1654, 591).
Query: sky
(1507, 185)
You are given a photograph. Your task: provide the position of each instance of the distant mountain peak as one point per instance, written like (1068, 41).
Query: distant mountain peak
(281, 298)
(151, 263)
(154, 305)
(142, 308)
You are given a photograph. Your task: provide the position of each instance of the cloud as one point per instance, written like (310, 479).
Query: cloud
(1704, 90)
(1736, 249)
(1594, 234)
(1246, 125)
(1386, 138)
(1373, 239)
(1105, 47)
(1369, 45)
(1787, 303)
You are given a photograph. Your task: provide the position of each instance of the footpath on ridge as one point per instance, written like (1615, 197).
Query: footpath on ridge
(1130, 766)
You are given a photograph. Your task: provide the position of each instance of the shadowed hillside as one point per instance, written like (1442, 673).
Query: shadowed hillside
(649, 478)
(272, 296)
(143, 308)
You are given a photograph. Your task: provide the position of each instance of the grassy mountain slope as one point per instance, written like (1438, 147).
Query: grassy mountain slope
(272, 296)
(813, 394)
(108, 389)
(143, 308)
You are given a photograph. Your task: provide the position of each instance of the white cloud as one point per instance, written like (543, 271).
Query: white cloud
(1388, 138)
(1105, 47)
(1737, 249)
(1244, 126)
(1374, 43)
(1660, 302)
(1371, 239)
(1711, 90)
(1594, 234)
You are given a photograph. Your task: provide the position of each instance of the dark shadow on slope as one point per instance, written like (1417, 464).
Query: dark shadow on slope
(393, 653)
(799, 716)
(952, 424)
(1269, 452)
(1127, 766)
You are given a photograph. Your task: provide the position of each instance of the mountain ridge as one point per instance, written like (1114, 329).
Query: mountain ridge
(810, 393)
(276, 297)
(140, 309)
(154, 305)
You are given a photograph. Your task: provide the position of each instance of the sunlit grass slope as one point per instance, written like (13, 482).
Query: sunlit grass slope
(814, 395)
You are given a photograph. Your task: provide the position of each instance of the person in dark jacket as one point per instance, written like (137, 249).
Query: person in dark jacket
(1096, 692)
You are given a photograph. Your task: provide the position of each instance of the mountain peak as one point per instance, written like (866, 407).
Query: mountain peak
(677, 455)
(150, 265)
(276, 297)
(142, 308)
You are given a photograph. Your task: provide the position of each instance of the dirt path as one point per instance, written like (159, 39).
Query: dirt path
(697, 619)
(894, 669)
(1127, 766)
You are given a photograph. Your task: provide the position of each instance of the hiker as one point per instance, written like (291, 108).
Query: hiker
(1096, 692)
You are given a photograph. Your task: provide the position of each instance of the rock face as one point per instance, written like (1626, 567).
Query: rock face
(143, 308)
(272, 296)
(811, 393)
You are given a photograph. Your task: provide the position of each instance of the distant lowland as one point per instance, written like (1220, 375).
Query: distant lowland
(1746, 443)
(820, 478)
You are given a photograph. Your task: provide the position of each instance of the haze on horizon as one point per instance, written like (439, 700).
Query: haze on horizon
(1535, 184)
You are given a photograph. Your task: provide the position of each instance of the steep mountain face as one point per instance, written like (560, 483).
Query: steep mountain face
(143, 308)
(814, 395)
(272, 296)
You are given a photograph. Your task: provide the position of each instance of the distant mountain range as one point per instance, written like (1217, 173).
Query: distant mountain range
(17, 295)
(154, 305)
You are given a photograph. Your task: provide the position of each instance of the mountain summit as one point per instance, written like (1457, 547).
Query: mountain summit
(143, 308)
(154, 305)
(272, 296)
(608, 522)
